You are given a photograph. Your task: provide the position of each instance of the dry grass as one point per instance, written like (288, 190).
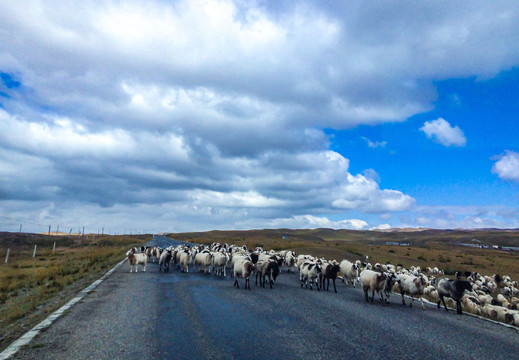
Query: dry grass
(31, 288)
(427, 248)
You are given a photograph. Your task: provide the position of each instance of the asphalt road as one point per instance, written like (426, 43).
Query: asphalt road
(155, 315)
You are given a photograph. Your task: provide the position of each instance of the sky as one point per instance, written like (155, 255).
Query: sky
(175, 116)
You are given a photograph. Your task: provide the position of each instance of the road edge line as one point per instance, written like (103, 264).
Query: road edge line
(26, 338)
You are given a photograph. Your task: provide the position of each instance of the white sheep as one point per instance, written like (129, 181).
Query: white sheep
(204, 260)
(219, 262)
(309, 273)
(413, 286)
(137, 259)
(243, 268)
(374, 281)
(184, 260)
(350, 272)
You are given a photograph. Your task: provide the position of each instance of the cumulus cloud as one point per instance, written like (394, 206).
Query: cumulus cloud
(507, 167)
(171, 112)
(312, 222)
(442, 132)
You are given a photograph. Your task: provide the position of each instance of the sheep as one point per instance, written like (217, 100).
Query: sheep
(330, 272)
(204, 260)
(184, 260)
(391, 281)
(350, 272)
(412, 286)
(239, 255)
(301, 259)
(453, 289)
(374, 281)
(243, 268)
(290, 260)
(165, 258)
(485, 299)
(471, 304)
(219, 261)
(309, 272)
(266, 268)
(137, 259)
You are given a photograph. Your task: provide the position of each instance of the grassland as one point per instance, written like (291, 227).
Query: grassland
(441, 248)
(31, 288)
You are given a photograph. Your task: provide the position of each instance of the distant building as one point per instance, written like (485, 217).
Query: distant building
(394, 243)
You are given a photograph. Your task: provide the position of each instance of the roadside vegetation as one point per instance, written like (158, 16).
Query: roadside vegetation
(32, 288)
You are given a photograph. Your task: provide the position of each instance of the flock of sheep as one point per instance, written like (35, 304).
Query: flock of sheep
(495, 297)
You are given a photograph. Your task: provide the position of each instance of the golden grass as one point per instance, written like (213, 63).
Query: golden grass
(30, 288)
(428, 248)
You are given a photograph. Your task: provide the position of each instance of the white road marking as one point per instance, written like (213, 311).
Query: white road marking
(29, 335)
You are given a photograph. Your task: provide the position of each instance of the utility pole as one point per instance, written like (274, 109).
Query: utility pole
(20, 227)
(49, 232)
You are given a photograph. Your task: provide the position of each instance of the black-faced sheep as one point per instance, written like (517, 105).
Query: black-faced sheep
(453, 289)
(264, 269)
(331, 272)
(164, 259)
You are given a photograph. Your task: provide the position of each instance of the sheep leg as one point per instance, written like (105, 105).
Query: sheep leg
(366, 293)
(334, 287)
(403, 298)
(421, 301)
(236, 283)
(318, 287)
(372, 295)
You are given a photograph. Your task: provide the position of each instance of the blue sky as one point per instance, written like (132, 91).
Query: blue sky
(486, 111)
(220, 114)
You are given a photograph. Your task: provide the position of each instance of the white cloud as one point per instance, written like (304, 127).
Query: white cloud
(381, 227)
(442, 132)
(374, 144)
(312, 222)
(168, 112)
(507, 167)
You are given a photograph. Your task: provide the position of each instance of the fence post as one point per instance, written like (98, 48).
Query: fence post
(34, 252)
(7, 256)
(54, 247)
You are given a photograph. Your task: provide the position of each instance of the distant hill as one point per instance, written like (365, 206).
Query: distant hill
(417, 237)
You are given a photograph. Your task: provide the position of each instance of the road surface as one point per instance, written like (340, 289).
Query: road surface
(155, 315)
